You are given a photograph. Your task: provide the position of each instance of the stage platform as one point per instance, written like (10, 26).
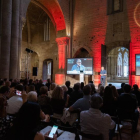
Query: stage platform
(117, 85)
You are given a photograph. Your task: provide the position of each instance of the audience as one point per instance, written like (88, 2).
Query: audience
(76, 94)
(121, 89)
(101, 91)
(127, 104)
(53, 86)
(48, 84)
(25, 125)
(57, 100)
(109, 102)
(15, 102)
(70, 90)
(93, 121)
(82, 103)
(114, 92)
(137, 93)
(44, 100)
(32, 96)
(29, 109)
(66, 96)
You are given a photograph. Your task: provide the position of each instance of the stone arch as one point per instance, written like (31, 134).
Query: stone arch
(111, 46)
(77, 50)
(54, 11)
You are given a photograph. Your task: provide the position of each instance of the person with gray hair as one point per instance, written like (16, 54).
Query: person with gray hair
(93, 121)
(78, 66)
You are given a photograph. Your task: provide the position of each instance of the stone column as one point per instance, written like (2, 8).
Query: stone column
(62, 43)
(14, 40)
(6, 38)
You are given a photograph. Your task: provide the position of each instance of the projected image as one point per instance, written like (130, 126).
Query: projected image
(137, 64)
(77, 65)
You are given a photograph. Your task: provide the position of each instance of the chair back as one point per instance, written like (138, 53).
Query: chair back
(90, 136)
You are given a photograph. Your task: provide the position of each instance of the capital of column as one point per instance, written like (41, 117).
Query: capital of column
(62, 40)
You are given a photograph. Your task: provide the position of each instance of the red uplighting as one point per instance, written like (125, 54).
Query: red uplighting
(59, 79)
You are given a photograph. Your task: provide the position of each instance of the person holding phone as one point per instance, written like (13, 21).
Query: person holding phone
(26, 123)
(14, 103)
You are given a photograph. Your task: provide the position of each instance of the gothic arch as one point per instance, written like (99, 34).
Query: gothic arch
(77, 50)
(54, 11)
(111, 46)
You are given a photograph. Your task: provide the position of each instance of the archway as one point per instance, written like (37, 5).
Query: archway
(47, 69)
(82, 53)
(118, 65)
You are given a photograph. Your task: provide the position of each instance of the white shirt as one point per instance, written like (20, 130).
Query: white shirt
(14, 104)
(93, 121)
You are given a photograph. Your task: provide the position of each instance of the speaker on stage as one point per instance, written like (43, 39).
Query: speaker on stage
(34, 71)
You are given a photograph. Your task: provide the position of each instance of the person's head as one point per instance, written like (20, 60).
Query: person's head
(93, 90)
(99, 85)
(53, 86)
(122, 85)
(91, 82)
(1, 83)
(96, 101)
(48, 80)
(31, 88)
(28, 117)
(32, 96)
(135, 87)
(79, 62)
(4, 90)
(101, 91)
(109, 85)
(82, 85)
(76, 87)
(114, 91)
(13, 85)
(40, 82)
(65, 89)
(127, 88)
(30, 81)
(58, 93)
(108, 95)
(8, 83)
(67, 83)
(44, 90)
(87, 90)
(102, 68)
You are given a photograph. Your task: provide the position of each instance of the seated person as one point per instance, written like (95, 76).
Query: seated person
(32, 96)
(44, 100)
(25, 125)
(76, 94)
(14, 103)
(78, 66)
(120, 91)
(127, 106)
(70, 90)
(93, 121)
(57, 101)
(83, 103)
(137, 93)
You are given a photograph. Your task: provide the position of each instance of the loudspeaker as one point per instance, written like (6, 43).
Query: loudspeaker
(34, 71)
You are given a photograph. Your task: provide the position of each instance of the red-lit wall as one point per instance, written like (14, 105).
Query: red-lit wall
(90, 24)
(133, 8)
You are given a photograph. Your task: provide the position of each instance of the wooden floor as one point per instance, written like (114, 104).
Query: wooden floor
(126, 134)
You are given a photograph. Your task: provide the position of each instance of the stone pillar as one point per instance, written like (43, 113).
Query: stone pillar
(62, 43)
(6, 38)
(14, 40)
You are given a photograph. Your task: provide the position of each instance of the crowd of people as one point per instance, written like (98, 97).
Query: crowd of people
(20, 113)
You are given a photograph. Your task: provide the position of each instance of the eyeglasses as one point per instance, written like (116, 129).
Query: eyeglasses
(78, 62)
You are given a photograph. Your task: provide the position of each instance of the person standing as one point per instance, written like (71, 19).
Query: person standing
(103, 76)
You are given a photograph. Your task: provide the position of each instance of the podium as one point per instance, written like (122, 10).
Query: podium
(81, 76)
